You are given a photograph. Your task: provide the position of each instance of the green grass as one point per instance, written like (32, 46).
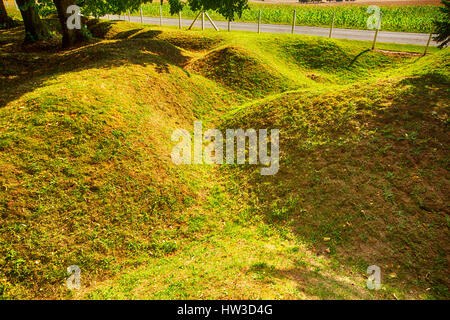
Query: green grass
(414, 18)
(14, 13)
(86, 176)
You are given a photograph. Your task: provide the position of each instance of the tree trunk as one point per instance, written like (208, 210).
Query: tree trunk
(35, 29)
(70, 37)
(5, 21)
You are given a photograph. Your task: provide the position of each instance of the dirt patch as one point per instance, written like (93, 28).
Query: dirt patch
(399, 53)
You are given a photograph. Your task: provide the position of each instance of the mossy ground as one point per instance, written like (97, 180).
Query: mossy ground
(86, 176)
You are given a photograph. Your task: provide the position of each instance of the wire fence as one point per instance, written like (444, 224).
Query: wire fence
(204, 17)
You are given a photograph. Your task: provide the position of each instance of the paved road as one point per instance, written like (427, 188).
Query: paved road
(351, 34)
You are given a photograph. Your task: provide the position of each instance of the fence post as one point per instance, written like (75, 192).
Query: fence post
(203, 20)
(160, 15)
(332, 24)
(193, 22)
(294, 21)
(259, 21)
(129, 17)
(375, 39)
(142, 16)
(179, 19)
(229, 25)
(376, 33)
(212, 22)
(428, 43)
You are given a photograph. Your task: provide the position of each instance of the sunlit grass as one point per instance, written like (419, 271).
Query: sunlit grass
(86, 176)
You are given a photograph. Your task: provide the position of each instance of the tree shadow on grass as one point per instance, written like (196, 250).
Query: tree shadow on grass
(314, 281)
(357, 56)
(23, 69)
(126, 34)
(101, 30)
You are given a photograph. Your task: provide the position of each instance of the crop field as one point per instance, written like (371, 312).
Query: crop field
(413, 18)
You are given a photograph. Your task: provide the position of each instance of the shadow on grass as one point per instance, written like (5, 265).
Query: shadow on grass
(378, 199)
(357, 56)
(313, 281)
(23, 69)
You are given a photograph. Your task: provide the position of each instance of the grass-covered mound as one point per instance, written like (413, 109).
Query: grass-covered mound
(335, 59)
(85, 164)
(364, 171)
(238, 70)
(86, 176)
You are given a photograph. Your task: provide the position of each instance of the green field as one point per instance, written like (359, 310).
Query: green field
(395, 18)
(86, 176)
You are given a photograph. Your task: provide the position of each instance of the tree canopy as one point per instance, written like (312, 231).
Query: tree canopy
(443, 26)
(228, 8)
